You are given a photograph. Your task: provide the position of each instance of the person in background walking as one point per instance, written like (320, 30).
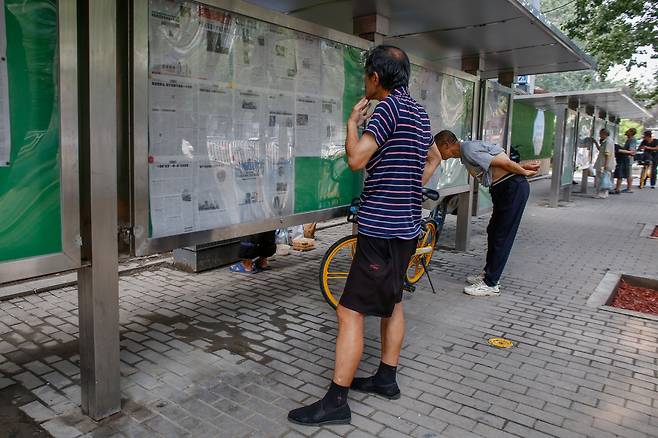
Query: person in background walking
(623, 156)
(509, 192)
(650, 147)
(605, 162)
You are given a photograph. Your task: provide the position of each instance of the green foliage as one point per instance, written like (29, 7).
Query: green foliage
(573, 80)
(625, 125)
(611, 30)
(614, 31)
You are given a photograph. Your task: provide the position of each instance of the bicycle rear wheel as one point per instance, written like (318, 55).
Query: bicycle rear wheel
(424, 252)
(335, 267)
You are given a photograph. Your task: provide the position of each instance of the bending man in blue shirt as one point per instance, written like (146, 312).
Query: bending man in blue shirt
(509, 189)
(398, 153)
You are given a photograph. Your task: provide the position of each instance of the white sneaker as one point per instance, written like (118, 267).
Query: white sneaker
(482, 290)
(473, 279)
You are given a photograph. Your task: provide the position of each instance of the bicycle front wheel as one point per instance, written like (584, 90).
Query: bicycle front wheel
(335, 267)
(423, 254)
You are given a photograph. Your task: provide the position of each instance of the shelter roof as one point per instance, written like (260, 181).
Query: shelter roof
(507, 35)
(615, 102)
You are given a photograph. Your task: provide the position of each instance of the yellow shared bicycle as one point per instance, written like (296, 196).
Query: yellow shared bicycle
(337, 260)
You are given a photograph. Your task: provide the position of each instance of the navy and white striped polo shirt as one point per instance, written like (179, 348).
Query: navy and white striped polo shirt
(392, 197)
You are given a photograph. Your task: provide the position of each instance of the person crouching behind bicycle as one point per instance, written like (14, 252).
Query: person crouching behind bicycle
(509, 189)
(394, 150)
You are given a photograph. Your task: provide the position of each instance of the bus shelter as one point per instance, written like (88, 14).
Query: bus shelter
(580, 115)
(158, 124)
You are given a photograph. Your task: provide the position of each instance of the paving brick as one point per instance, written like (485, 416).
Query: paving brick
(38, 412)
(28, 380)
(165, 427)
(59, 429)
(268, 347)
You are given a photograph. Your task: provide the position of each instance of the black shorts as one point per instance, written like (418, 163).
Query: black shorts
(623, 168)
(374, 284)
(258, 245)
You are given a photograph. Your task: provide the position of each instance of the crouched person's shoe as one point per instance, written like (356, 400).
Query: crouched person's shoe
(318, 414)
(368, 385)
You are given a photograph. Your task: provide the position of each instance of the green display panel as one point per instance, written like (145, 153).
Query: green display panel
(326, 181)
(30, 217)
(533, 131)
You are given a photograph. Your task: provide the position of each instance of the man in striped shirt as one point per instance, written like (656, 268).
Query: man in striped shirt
(399, 155)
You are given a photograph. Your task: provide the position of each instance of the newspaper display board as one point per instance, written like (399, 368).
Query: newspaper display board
(494, 129)
(585, 145)
(246, 119)
(570, 139)
(448, 101)
(598, 125)
(5, 133)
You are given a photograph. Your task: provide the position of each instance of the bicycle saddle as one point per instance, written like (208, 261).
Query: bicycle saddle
(430, 193)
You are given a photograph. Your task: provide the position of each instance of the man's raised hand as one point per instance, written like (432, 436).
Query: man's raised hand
(359, 112)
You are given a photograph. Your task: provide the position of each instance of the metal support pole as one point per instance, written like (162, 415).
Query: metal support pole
(464, 212)
(98, 290)
(465, 199)
(558, 157)
(566, 195)
(589, 110)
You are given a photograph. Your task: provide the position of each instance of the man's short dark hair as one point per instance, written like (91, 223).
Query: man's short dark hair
(647, 134)
(605, 131)
(445, 137)
(391, 65)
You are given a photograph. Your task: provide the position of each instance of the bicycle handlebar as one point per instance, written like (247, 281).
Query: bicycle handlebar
(353, 208)
(430, 193)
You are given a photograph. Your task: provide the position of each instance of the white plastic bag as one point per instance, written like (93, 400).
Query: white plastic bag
(296, 232)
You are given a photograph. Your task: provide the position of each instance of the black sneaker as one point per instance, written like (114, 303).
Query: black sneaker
(318, 415)
(368, 385)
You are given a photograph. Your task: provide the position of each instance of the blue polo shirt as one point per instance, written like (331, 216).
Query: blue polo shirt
(392, 197)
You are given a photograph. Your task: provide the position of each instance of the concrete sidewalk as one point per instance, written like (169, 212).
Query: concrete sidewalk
(222, 355)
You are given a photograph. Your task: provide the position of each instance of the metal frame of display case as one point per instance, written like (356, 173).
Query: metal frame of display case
(477, 211)
(143, 244)
(463, 192)
(69, 257)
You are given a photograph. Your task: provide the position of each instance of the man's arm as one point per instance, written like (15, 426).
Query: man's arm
(359, 150)
(502, 161)
(432, 162)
